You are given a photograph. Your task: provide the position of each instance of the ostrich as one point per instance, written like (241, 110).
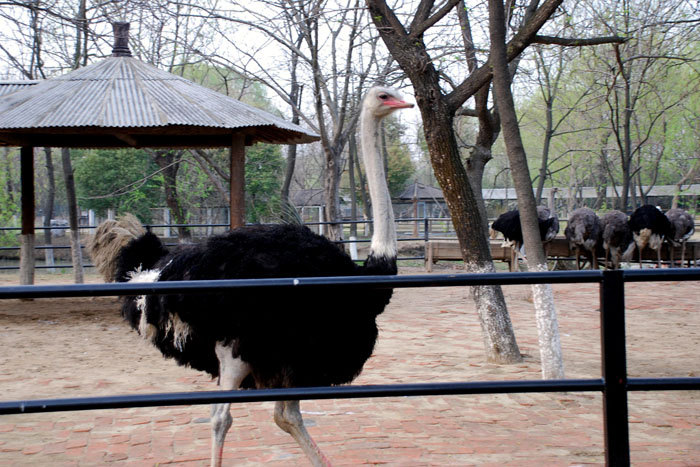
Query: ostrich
(508, 224)
(583, 231)
(291, 338)
(649, 228)
(683, 228)
(617, 238)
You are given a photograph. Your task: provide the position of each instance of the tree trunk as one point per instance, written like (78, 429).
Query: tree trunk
(289, 171)
(170, 165)
(497, 331)
(48, 207)
(476, 164)
(352, 157)
(74, 231)
(295, 96)
(438, 126)
(331, 182)
(548, 330)
(545, 151)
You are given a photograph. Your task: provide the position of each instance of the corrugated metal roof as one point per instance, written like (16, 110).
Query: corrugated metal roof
(8, 87)
(124, 94)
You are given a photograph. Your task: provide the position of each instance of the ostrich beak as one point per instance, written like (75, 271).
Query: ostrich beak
(397, 104)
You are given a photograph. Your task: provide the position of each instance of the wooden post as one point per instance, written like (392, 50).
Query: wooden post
(26, 262)
(237, 186)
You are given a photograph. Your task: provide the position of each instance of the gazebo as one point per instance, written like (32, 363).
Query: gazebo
(123, 102)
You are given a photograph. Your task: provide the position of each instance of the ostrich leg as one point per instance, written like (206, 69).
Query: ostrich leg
(232, 372)
(594, 259)
(683, 254)
(288, 417)
(578, 257)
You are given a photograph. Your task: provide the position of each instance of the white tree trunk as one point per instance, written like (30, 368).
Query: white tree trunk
(77, 256)
(547, 329)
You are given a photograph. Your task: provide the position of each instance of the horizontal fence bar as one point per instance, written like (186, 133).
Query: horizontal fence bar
(266, 395)
(379, 282)
(338, 392)
(661, 274)
(663, 384)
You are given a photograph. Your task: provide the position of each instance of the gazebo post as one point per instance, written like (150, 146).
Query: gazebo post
(237, 185)
(26, 261)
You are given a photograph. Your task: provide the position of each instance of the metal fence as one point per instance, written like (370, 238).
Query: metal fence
(422, 234)
(614, 383)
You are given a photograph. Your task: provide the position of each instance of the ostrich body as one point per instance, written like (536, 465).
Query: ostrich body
(583, 232)
(617, 238)
(508, 224)
(683, 228)
(649, 228)
(249, 339)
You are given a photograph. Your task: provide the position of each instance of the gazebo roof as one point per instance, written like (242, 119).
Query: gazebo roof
(8, 87)
(121, 101)
(419, 190)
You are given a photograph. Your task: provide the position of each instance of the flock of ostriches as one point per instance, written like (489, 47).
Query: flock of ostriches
(614, 235)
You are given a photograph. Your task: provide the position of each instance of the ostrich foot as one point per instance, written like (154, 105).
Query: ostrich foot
(288, 417)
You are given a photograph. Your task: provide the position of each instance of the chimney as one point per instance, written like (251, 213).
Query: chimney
(121, 40)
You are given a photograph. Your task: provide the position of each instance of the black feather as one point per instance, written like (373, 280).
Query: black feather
(294, 337)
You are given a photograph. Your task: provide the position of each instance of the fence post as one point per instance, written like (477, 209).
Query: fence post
(614, 364)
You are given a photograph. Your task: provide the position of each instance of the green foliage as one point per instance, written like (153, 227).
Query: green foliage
(9, 207)
(400, 168)
(117, 179)
(264, 170)
(227, 82)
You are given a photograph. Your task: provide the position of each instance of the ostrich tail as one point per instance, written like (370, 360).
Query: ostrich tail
(110, 237)
(284, 212)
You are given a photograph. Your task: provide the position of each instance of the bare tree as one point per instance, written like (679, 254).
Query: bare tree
(631, 72)
(336, 62)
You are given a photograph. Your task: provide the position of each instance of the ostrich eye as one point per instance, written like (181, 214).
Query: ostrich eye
(383, 96)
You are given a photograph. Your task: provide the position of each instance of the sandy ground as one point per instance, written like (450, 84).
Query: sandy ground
(80, 347)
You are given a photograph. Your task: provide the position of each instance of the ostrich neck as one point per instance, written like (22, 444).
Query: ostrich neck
(384, 236)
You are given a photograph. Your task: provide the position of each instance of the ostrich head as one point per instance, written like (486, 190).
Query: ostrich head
(380, 102)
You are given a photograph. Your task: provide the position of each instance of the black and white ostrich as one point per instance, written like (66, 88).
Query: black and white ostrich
(249, 339)
(683, 228)
(617, 238)
(508, 224)
(583, 232)
(649, 228)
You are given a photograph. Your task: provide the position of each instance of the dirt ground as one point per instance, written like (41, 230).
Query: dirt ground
(80, 347)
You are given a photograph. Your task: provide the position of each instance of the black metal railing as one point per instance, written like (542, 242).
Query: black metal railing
(614, 383)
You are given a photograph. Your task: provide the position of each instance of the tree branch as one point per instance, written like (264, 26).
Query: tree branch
(574, 42)
(418, 28)
(515, 47)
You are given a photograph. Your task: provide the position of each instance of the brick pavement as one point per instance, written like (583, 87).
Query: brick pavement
(425, 335)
